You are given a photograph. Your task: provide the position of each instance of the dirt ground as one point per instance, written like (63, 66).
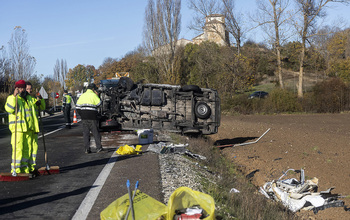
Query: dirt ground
(317, 143)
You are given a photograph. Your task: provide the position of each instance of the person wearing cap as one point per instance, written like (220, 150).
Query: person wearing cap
(20, 124)
(86, 106)
(36, 104)
(67, 100)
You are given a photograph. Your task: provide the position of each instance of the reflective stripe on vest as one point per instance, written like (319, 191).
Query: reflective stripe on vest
(87, 108)
(10, 106)
(14, 122)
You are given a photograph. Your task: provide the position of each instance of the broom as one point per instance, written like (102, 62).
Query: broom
(47, 170)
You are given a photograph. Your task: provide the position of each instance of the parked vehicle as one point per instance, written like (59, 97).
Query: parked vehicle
(258, 94)
(130, 106)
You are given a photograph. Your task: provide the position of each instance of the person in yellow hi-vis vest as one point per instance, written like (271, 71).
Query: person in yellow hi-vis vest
(86, 106)
(66, 101)
(20, 129)
(36, 104)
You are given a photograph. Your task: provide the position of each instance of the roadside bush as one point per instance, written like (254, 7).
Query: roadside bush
(281, 100)
(278, 101)
(237, 104)
(330, 96)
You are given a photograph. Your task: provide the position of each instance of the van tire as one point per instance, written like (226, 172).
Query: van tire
(190, 88)
(202, 110)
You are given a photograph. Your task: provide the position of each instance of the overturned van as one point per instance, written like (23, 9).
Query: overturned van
(130, 106)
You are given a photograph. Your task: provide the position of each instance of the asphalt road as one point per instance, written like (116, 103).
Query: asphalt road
(86, 184)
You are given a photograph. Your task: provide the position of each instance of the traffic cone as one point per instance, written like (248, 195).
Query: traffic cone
(75, 118)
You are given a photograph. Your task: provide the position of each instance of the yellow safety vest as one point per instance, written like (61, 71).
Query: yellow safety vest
(24, 115)
(35, 111)
(88, 101)
(67, 99)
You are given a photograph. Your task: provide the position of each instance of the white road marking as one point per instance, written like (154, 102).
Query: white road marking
(54, 131)
(89, 200)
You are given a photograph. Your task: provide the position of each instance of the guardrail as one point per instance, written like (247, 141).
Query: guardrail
(4, 119)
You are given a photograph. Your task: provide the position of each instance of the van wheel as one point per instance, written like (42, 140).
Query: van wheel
(202, 110)
(190, 88)
(191, 130)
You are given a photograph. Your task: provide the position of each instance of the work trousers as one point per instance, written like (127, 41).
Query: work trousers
(66, 112)
(91, 125)
(19, 142)
(33, 146)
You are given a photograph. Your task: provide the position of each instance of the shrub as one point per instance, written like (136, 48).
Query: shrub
(281, 100)
(278, 101)
(237, 104)
(331, 96)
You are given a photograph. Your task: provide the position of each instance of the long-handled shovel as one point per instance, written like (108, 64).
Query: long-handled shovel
(10, 177)
(47, 170)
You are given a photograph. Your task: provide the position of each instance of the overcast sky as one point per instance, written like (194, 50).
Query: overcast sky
(87, 31)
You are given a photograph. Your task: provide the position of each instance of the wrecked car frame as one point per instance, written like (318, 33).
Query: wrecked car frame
(300, 194)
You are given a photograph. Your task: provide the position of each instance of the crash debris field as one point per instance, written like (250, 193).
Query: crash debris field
(317, 143)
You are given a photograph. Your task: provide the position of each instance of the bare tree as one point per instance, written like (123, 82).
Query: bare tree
(161, 33)
(22, 63)
(64, 71)
(274, 18)
(56, 71)
(233, 20)
(60, 71)
(3, 60)
(234, 24)
(310, 11)
(202, 9)
(151, 33)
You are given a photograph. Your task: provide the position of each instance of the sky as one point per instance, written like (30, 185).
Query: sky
(88, 31)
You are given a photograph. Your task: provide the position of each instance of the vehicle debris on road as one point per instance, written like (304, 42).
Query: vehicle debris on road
(164, 148)
(300, 194)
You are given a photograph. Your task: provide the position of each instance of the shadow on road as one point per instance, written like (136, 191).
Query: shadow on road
(35, 202)
(104, 161)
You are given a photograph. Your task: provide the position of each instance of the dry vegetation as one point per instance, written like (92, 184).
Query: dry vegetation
(248, 204)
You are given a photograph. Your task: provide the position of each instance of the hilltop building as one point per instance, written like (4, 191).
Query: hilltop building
(214, 30)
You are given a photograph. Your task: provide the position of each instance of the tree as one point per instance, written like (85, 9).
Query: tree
(273, 18)
(60, 71)
(339, 51)
(64, 71)
(107, 69)
(161, 33)
(310, 11)
(146, 71)
(5, 82)
(77, 76)
(202, 8)
(233, 22)
(51, 86)
(21, 62)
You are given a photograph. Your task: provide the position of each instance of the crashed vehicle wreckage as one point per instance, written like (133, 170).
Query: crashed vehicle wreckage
(130, 106)
(300, 194)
